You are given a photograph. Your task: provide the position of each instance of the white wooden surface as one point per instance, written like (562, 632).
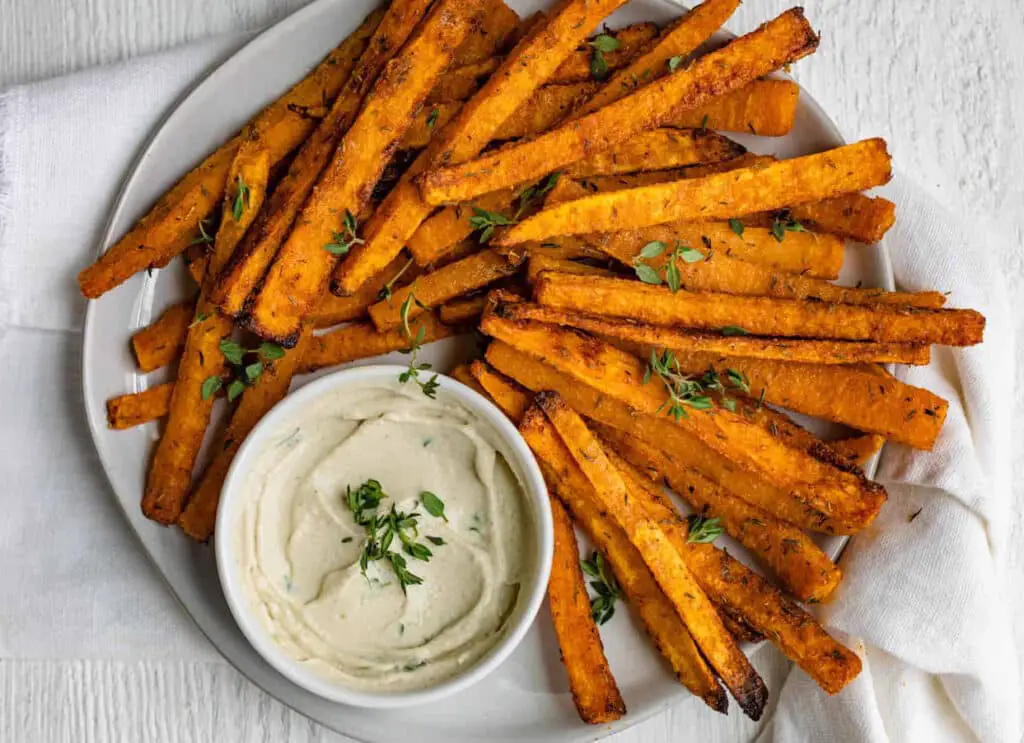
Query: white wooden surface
(942, 81)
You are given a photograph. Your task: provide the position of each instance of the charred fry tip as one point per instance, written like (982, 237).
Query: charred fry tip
(717, 700)
(753, 697)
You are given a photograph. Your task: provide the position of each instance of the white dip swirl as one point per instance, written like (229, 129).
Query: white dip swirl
(300, 546)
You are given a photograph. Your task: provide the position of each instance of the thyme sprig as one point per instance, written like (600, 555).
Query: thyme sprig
(782, 223)
(703, 530)
(241, 198)
(600, 46)
(687, 392)
(385, 291)
(247, 365)
(382, 529)
(602, 606)
(342, 241)
(670, 272)
(205, 238)
(485, 222)
(431, 385)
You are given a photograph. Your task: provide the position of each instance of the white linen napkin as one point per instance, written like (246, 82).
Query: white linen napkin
(920, 599)
(921, 593)
(74, 582)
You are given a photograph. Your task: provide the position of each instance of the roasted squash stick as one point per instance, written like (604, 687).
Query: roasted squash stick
(666, 564)
(530, 64)
(735, 193)
(778, 42)
(174, 221)
(326, 227)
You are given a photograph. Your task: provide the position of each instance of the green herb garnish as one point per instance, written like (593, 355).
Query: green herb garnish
(486, 221)
(600, 46)
(236, 388)
(432, 117)
(248, 364)
(528, 195)
(734, 330)
(602, 606)
(241, 199)
(736, 226)
(783, 223)
(672, 278)
(433, 504)
(703, 530)
(383, 528)
(431, 385)
(342, 242)
(204, 238)
(233, 352)
(211, 386)
(684, 391)
(385, 291)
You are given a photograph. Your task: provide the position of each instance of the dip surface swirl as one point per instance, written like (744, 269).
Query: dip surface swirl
(300, 545)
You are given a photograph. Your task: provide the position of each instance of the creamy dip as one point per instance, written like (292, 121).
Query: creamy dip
(300, 546)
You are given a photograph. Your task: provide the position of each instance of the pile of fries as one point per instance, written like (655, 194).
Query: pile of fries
(653, 295)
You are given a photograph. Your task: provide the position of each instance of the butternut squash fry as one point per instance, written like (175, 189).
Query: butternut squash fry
(803, 568)
(462, 82)
(620, 375)
(173, 222)
(684, 342)
(666, 564)
(781, 184)
(170, 472)
(199, 516)
(854, 216)
(657, 305)
(594, 691)
(778, 42)
(805, 253)
(677, 40)
(764, 107)
(128, 411)
(361, 340)
(160, 342)
(540, 263)
(845, 394)
(425, 122)
(570, 190)
(431, 289)
(656, 612)
(531, 63)
(506, 394)
(745, 593)
(579, 67)
(548, 105)
(442, 231)
(657, 149)
(247, 266)
(720, 273)
(333, 310)
(299, 273)
(805, 509)
(859, 449)
(462, 311)
(461, 373)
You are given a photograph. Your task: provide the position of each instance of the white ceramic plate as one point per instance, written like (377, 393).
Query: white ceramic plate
(526, 698)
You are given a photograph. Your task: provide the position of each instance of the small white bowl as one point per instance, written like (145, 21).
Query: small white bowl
(535, 578)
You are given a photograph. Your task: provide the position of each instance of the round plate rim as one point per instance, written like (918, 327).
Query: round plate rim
(89, 327)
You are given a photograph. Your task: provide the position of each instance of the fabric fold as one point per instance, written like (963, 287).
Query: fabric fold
(921, 600)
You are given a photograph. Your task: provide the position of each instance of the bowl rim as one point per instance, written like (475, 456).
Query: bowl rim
(535, 494)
